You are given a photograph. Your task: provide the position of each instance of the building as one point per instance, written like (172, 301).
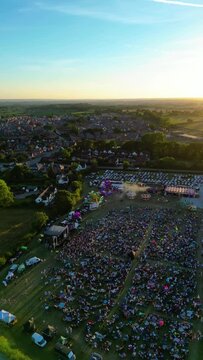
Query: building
(47, 196)
(63, 180)
(56, 235)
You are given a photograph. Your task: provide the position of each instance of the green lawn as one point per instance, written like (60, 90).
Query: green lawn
(190, 123)
(14, 224)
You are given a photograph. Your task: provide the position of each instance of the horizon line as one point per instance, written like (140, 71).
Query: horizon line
(104, 99)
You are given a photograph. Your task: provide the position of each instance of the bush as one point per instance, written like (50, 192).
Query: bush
(10, 352)
(63, 202)
(76, 185)
(9, 254)
(27, 238)
(40, 219)
(6, 196)
(2, 261)
(126, 164)
(77, 196)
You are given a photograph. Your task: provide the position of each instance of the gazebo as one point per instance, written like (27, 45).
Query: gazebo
(56, 235)
(7, 318)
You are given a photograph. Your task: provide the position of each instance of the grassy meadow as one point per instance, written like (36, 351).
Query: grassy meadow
(14, 224)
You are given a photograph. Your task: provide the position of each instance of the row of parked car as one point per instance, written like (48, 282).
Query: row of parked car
(19, 268)
(63, 349)
(149, 177)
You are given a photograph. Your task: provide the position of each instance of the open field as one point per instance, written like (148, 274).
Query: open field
(14, 224)
(25, 296)
(189, 123)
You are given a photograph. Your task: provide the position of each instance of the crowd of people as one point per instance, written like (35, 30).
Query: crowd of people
(130, 281)
(174, 239)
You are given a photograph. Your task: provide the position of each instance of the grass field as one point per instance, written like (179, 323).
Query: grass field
(189, 123)
(24, 296)
(14, 224)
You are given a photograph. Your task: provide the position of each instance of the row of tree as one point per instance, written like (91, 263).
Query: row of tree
(162, 151)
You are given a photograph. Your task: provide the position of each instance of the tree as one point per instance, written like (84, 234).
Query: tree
(2, 157)
(50, 173)
(48, 127)
(2, 261)
(149, 139)
(66, 153)
(131, 145)
(10, 352)
(19, 173)
(167, 162)
(6, 196)
(76, 196)
(126, 164)
(94, 164)
(64, 201)
(74, 166)
(76, 185)
(40, 219)
(85, 145)
(73, 129)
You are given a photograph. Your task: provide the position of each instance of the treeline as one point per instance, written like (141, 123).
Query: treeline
(168, 154)
(163, 153)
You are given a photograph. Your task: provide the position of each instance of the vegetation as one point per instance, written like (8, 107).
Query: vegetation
(15, 224)
(76, 185)
(94, 164)
(64, 202)
(10, 352)
(19, 223)
(6, 196)
(126, 164)
(40, 220)
(72, 129)
(28, 302)
(19, 174)
(2, 261)
(66, 153)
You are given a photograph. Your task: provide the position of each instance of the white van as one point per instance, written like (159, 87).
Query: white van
(39, 340)
(33, 261)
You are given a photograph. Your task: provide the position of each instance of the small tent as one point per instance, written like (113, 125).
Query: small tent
(29, 326)
(24, 248)
(49, 332)
(21, 268)
(7, 317)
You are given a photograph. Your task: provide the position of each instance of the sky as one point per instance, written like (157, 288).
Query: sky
(101, 49)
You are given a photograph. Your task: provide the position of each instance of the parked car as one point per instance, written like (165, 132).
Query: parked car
(32, 261)
(96, 356)
(13, 268)
(39, 340)
(65, 351)
(8, 278)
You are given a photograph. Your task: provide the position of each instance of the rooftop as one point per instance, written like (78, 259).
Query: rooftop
(55, 230)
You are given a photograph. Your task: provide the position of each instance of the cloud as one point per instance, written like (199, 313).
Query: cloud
(74, 10)
(179, 3)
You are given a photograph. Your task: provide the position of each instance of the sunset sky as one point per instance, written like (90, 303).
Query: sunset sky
(89, 49)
